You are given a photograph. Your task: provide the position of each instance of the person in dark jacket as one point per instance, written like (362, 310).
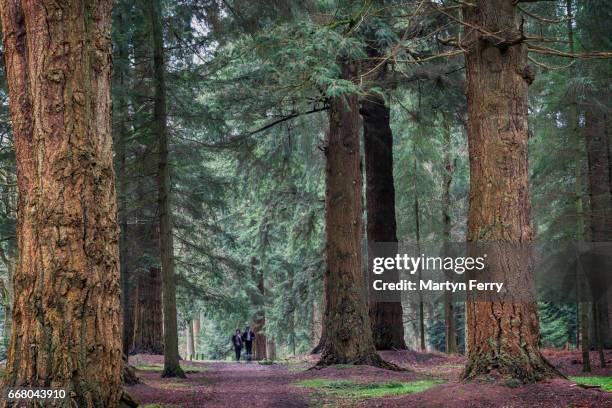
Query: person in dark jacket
(237, 342)
(247, 337)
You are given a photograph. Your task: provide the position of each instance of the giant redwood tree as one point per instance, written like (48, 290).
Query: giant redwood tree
(387, 318)
(502, 334)
(348, 337)
(66, 311)
(172, 367)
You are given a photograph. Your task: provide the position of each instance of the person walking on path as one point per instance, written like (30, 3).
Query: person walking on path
(237, 342)
(247, 337)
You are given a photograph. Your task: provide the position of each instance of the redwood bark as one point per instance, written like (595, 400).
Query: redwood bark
(347, 326)
(148, 321)
(66, 310)
(386, 318)
(502, 336)
(172, 367)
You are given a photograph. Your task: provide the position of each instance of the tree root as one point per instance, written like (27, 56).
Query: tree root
(320, 347)
(173, 372)
(372, 359)
(526, 373)
(129, 375)
(126, 401)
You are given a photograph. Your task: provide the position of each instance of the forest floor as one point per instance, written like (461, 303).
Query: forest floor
(433, 380)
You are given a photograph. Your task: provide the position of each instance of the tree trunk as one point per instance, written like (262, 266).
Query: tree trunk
(148, 321)
(417, 229)
(172, 367)
(347, 326)
(386, 318)
(315, 325)
(422, 344)
(120, 136)
(595, 106)
(318, 349)
(582, 307)
(7, 300)
(7, 294)
(189, 340)
(259, 345)
(197, 326)
(271, 350)
(259, 319)
(598, 335)
(585, 343)
(450, 327)
(600, 208)
(449, 306)
(503, 335)
(66, 310)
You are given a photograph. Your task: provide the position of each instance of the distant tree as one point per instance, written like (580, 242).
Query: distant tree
(386, 317)
(172, 367)
(147, 336)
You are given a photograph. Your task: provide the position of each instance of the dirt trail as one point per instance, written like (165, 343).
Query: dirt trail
(221, 384)
(225, 384)
(253, 385)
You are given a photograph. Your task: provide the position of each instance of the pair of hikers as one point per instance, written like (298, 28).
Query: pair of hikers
(245, 339)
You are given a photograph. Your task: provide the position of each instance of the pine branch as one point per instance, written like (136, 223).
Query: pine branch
(582, 55)
(548, 67)
(286, 118)
(540, 18)
(545, 39)
(232, 142)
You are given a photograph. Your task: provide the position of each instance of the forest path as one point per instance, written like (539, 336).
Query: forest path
(224, 384)
(217, 384)
(252, 384)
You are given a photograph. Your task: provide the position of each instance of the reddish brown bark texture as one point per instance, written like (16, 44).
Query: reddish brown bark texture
(502, 336)
(148, 322)
(67, 314)
(347, 331)
(386, 317)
